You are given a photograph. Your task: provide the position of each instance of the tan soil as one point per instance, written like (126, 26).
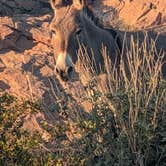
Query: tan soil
(139, 13)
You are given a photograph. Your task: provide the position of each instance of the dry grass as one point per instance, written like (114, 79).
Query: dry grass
(126, 122)
(138, 91)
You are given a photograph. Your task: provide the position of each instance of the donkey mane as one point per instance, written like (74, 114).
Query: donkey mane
(89, 14)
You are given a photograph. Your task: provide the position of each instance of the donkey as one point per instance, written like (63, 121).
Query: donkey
(75, 25)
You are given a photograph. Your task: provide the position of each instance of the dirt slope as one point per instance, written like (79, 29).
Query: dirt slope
(139, 13)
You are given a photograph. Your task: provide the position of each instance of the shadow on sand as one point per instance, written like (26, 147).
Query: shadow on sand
(23, 21)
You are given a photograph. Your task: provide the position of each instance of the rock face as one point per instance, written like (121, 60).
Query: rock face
(24, 41)
(26, 58)
(139, 13)
(26, 55)
(11, 7)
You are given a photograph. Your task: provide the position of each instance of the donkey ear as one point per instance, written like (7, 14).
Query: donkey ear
(53, 4)
(78, 3)
(82, 3)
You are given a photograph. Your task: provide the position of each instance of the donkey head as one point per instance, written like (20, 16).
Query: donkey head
(67, 31)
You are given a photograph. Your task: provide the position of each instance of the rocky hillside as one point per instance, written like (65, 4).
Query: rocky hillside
(12, 7)
(74, 124)
(24, 34)
(135, 14)
(26, 58)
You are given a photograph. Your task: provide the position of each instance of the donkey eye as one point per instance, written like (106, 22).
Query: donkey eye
(53, 32)
(78, 31)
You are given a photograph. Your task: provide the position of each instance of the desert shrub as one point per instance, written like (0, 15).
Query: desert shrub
(125, 126)
(16, 145)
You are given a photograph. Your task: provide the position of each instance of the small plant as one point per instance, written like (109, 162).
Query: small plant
(17, 146)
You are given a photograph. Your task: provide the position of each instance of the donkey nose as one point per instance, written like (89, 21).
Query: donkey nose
(65, 74)
(70, 70)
